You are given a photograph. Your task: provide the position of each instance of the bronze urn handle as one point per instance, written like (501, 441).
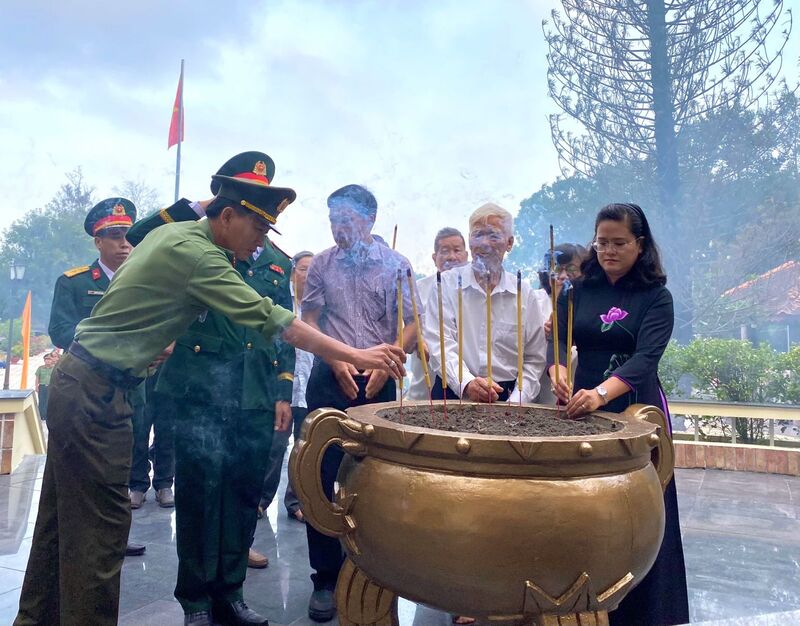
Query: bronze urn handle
(663, 454)
(322, 429)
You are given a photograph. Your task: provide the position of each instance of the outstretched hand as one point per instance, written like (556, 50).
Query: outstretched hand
(382, 357)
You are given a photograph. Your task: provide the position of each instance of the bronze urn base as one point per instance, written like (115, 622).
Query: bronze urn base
(509, 530)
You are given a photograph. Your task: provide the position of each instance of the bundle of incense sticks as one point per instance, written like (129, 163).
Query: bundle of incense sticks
(460, 339)
(489, 333)
(441, 340)
(400, 327)
(420, 340)
(394, 237)
(554, 301)
(520, 348)
(570, 305)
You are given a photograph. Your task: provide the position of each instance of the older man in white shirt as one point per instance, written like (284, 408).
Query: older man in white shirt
(449, 251)
(490, 237)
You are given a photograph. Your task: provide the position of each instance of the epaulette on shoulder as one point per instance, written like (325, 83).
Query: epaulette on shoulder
(77, 270)
(274, 245)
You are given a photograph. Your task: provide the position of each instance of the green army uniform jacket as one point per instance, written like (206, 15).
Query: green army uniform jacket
(77, 291)
(173, 277)
(217, 361)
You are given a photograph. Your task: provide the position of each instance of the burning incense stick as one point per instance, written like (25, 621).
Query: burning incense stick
(420, 341)
(296, 301)
(519, 334)
(394, 237)
(400, 326)
(554, 300)
(441, 340)
(569, 335)
(489, 333)
(460, 338)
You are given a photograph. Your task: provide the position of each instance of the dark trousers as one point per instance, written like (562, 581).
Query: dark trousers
(280, 442)
(438, 394)
(84, 515)
(220, 461)
(43, 393)
(157, 413)
(325, 553)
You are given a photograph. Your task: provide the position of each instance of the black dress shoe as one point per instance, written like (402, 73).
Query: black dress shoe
(238, 614)
(201, 618)
(322, 605)
(135, 549)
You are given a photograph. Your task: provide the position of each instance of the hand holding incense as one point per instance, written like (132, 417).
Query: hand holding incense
(520, 355)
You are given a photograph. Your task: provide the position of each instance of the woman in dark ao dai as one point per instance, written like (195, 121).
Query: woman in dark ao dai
(623, 319)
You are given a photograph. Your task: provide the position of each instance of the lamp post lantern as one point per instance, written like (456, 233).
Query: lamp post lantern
(16, 274)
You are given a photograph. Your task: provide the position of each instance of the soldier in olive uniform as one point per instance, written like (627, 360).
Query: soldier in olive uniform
(79, 289)
(229, 382)
(177, 274)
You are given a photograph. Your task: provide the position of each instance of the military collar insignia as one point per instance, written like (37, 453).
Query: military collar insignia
(96, 271)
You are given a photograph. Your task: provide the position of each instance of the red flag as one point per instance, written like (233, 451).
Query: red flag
(177, 116)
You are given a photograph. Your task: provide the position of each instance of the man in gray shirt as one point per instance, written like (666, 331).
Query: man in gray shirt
(351, 295)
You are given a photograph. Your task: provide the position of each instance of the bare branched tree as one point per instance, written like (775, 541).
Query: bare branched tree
(143, 196)
(633, 73)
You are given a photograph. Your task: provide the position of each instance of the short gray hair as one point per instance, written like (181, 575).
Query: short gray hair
(301, 255)
(444, 233)
(482, 214)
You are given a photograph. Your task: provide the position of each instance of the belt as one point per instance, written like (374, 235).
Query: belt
(112, 374)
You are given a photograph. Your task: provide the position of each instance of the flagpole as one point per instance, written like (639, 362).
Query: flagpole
(180, 140)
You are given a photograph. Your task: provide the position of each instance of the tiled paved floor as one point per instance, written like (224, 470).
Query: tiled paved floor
(741, 539)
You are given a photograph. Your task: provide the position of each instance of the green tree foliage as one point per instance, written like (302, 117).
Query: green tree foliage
(47, 241)
(51, 240)
(731, 370)
(740, 200)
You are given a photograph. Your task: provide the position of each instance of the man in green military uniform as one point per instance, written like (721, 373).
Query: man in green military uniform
(79, 289)
(224, 430)
(178, 273)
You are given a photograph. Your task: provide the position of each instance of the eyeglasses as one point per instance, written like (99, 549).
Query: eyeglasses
(616, 246)
(571, 270)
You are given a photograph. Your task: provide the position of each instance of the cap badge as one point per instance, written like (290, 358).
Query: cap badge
(260, 168)
(118, 209)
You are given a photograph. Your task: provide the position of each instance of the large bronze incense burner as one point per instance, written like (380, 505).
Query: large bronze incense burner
(509, 529)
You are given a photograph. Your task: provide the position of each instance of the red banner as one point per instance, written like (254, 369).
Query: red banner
(177, 116)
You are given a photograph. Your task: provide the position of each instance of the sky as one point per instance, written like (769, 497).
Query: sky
(436, 106)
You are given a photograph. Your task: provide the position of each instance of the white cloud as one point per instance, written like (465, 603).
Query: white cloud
(437, 107)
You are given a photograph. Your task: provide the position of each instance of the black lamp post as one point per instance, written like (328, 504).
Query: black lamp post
(17, 273)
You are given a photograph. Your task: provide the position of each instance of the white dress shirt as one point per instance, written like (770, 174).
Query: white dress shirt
(303, 362)
(106, 270)
(504, 332)
(417, 389)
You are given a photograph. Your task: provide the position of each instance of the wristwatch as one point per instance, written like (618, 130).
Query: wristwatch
(603, 393)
